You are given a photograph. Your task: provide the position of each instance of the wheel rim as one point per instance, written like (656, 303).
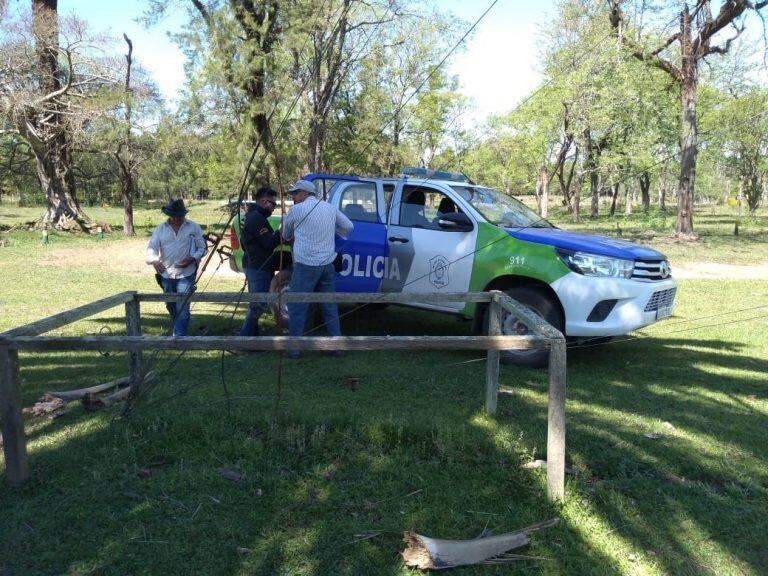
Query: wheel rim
(282, 305)
(511, 325)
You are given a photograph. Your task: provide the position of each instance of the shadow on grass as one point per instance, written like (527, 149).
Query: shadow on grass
(332, 473)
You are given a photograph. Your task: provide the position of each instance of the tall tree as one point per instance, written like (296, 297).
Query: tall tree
(231, 45)
(695, 40)
(47, 96)
(125, 153)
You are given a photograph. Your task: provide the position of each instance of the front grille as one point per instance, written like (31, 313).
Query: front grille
(651, 270)
(661, 299)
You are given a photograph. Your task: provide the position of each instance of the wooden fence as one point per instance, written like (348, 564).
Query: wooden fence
(28, 337)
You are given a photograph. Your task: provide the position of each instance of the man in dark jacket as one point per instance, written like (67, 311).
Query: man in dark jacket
(259, 241)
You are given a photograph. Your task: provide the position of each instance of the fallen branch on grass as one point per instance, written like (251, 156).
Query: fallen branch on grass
(434, 554)
(93, 402)
(88, 396)
(70, 395)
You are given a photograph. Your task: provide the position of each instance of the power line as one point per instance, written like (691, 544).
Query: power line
(426, 79)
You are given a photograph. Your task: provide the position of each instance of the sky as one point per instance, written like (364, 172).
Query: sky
(498, 66)
(496, 69)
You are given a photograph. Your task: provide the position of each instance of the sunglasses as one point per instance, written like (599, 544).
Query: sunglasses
(271, 202)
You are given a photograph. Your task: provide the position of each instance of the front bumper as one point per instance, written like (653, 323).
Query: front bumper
(638, 304)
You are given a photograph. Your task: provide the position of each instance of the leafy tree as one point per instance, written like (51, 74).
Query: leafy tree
(695, 38)
(381, 122)
(742, 147)
(17, 169)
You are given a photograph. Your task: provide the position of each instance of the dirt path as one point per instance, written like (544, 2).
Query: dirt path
(128, 257)
(715, 271)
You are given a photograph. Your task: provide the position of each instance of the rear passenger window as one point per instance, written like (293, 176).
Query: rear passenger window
(358, 202)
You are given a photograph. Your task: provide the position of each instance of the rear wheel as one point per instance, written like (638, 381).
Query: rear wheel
(279, 307)
(543, 306)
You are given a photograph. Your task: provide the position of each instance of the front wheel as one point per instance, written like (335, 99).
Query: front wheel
(543, 306)
(279, 307)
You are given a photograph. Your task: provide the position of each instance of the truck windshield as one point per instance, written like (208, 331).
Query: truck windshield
(501, 209)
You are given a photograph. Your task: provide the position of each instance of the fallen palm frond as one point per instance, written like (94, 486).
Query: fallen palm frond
(46, 405)
(435, 554)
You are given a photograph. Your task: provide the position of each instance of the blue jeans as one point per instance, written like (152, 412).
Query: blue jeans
(312, 279)
(179, 314)
(258, 281)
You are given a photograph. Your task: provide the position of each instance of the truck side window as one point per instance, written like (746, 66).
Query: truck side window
(389, 190)
(358, 202)
(422, 207)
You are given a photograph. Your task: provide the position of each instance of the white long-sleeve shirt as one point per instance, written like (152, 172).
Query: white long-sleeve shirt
(312, 224)
(171, 247)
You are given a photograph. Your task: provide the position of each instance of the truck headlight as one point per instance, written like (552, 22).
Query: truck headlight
(596, 265)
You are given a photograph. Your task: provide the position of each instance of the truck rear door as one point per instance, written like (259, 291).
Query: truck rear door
(364, 252)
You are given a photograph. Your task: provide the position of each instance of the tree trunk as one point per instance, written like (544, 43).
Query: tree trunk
(128, 229)
(565, 183)
(315, 146)
(689, 131)
(628, 198)
(583, 160)
(752, 192)
(127, 165)
(542, 190)
(614, 197)
(328, 74)
(576, 203)
(594, 184)
(645, 190)
(47, 131)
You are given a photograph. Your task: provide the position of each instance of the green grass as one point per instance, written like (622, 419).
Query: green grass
(715, 225)
(409, 448)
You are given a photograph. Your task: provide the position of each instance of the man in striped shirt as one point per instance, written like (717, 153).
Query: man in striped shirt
(312, 225)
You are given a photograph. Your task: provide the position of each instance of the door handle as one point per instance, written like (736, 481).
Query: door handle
(398, 239)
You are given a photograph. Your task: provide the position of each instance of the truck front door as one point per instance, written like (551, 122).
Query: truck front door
(423, 257)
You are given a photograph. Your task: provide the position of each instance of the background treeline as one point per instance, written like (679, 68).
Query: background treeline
(357, 86)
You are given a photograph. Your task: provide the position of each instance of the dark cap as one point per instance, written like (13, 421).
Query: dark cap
(175, 208)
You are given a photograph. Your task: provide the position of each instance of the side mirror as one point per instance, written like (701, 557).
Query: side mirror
(455, 222)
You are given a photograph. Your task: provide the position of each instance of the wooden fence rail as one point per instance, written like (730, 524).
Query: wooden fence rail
(29, 337)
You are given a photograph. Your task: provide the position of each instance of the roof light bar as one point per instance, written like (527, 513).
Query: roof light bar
(414, 171)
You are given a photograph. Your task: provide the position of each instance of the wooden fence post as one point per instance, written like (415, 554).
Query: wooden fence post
(492, 363)
(556, 421)
(11, 420)
(135, 358)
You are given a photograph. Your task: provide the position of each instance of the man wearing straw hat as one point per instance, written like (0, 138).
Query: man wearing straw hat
(175, 250)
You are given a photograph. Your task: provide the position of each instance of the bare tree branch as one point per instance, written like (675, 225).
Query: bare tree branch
(617, 21)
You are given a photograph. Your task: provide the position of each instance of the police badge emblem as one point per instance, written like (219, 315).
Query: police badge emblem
(438, 271)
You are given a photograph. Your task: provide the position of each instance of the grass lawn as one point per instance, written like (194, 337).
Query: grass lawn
(666, 435)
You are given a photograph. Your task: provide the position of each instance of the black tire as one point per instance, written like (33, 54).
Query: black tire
(543, 306)
(279, 308)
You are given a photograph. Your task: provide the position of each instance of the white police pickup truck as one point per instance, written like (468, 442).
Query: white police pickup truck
(433, 232)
